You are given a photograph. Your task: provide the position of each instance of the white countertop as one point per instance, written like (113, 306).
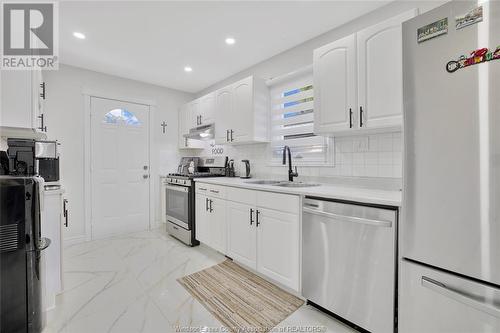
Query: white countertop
(331, 191)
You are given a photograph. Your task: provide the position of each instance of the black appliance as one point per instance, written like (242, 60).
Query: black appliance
(21, 245)
(180, 194)
(28, 157)
(4, 163)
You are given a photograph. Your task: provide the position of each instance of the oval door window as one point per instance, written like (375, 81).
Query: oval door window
(121, 115)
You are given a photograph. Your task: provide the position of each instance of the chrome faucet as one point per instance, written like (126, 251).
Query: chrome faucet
(291, 173)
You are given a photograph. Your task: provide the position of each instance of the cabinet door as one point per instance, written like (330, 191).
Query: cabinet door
(183, 110)
(207, 106)
(242, 112)
(202, 220)
(241, 234)
(222, 113)
(334, 68)
(380, 73)
(278, 246)
(194, 114)
(16, 99)
(218, 228)
(39, 119)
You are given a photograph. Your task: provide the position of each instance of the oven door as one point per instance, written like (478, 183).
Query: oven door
(177, 205)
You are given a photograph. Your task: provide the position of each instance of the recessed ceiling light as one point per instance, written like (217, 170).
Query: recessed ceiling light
(78, 35)
(230, 40)
(188, 69)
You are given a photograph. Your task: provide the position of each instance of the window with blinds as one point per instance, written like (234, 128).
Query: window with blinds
(292, 116)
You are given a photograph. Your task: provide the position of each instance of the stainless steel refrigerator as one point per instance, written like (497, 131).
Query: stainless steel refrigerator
(450, 227)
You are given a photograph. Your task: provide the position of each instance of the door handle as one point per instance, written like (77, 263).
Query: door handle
(227, 135)
(232, 135)
(200, 119)
(206, 204)
(251, 216)
(257, 218)
(211, 209)
(350, 117)
(442, 289)
(361, 116)
(65, 212)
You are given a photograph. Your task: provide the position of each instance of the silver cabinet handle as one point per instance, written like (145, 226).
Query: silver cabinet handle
(202, 189)
(227, 135)
(145, 176)
(206, 204)
(214, 191)
(441, 288)
(376, 223)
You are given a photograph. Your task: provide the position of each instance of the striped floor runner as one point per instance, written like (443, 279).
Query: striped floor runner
(241, 300)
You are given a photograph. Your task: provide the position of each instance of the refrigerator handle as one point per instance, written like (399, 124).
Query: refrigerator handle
(441, 288)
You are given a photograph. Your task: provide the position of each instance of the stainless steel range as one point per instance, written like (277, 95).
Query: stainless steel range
(180, 197)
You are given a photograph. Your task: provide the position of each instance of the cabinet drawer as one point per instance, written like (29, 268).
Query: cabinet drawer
(211, 190)
(277, 201)
(248, 197)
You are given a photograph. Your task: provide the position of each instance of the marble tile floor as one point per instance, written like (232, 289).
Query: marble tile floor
(128, 284)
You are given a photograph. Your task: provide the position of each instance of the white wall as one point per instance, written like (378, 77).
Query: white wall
(64, 111)
(301, 55)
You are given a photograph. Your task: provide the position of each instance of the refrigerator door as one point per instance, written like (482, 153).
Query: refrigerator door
(433, 301)
(452, 146)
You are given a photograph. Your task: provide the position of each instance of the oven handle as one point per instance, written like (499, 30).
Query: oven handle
(177, 188)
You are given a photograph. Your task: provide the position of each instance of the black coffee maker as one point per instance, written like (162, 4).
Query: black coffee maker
(29, 157)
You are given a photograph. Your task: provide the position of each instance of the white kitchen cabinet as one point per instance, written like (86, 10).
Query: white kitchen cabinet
(217, 224)
(334, 68)
(278, 246)
(51, 228)
(358, 80)
(263, 233)
(183, 128)
(241, 112)
(223, 108)
(241, 233)
(202, 219)
(194, 114)
(211, 218)
(380, 73)
(207, 109)
(22, 98)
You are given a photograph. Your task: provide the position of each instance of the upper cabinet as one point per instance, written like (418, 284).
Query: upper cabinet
(185, 122)
(358, 80)
(334, 68)
(22, 98)
(207, 109)
(241, 112)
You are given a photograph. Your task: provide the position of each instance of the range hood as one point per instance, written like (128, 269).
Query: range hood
(205, 132)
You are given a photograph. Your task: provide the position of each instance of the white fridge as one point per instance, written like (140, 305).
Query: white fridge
(450, 229)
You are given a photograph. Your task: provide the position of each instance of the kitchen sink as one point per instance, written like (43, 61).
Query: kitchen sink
(265, 182)
(296, 184)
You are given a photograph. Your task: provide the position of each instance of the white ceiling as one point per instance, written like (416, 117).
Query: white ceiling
(152, 41)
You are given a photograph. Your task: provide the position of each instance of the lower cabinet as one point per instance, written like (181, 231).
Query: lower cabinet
(242, 233)
(263, 235)
(211, 222)
(278, 246)
(51, 225)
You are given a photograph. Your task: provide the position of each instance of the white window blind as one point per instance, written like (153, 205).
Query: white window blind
(292, 116)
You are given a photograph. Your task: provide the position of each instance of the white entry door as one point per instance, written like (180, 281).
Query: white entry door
(119, 167)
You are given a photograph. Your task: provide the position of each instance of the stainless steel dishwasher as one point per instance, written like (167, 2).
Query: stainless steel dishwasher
(349, 261)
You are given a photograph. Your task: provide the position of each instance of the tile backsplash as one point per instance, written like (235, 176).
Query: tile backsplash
(374, 156)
